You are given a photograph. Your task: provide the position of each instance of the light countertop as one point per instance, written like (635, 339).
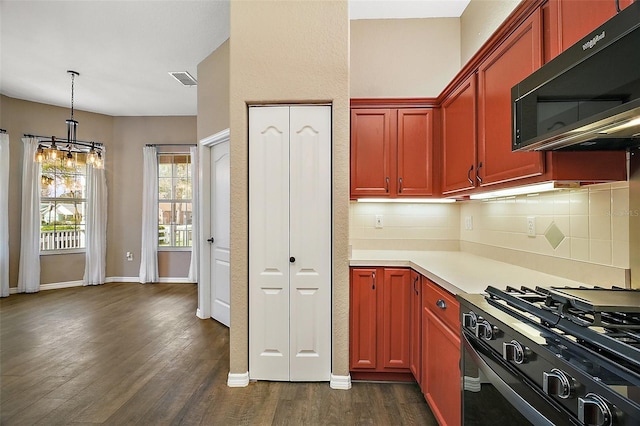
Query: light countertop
(457, 271)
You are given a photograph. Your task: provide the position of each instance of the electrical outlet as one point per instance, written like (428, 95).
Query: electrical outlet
(468, 223)
(129, 256)
(379, 221)
(531, 226)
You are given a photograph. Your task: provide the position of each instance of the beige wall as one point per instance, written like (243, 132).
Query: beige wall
(288, 51)
(19, 117)
(403, 57)
(123, 138)
(124, 178)
(213, 92)
(479, 21)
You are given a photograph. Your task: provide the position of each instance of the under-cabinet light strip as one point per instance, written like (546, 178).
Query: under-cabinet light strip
(520, 190)
(407, 200)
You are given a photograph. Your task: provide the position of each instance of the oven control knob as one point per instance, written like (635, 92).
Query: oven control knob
(470, 320)
(485, 330)
(557, 382)
(594, 410)
(514, 351)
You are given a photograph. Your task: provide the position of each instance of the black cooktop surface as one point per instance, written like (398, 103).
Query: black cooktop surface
(601, 299)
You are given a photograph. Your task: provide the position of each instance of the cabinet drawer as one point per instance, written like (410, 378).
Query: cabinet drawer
(443, 305)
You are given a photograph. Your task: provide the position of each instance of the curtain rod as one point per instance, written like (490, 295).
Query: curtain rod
(171, 144)
(63, 140)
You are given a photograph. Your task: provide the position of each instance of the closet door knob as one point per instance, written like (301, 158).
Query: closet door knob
(292, 259)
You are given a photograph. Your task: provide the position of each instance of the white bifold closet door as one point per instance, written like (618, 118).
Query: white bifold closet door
(290, 243)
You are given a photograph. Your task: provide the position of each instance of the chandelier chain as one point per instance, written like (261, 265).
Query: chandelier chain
(72, 80)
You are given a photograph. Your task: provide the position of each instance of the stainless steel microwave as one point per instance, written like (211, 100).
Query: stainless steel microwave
(588, 97)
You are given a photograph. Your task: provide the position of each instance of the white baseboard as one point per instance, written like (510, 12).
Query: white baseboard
(52, 286)
(164, 280)
(181, 280)
(199, 314)
(122, 279)
(66, 284)
(238, 380)
(340, 382)
(80, 283)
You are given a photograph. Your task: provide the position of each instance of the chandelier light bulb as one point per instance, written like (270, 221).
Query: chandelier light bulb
(40, 154)
(70, 162)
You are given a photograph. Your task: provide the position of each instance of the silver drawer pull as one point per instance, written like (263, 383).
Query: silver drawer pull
(440, 303)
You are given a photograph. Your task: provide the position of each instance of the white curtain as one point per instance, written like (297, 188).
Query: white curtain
(96, 225)
(29, 271)
(149, 254)
(195, 247)
(4, 214)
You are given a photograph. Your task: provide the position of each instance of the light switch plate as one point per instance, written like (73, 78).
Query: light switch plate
(379, 223)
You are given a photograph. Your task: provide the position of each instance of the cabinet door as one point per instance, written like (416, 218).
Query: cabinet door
(576, 19)
(459, 138)
(415, 152)
(415, 326)
(515, 59)
(442, 374)
(372, 158)
(395, 318)
(363, 317)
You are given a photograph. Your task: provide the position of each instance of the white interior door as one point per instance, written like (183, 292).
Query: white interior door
(310, 242)
(290, 243)
(220, 227)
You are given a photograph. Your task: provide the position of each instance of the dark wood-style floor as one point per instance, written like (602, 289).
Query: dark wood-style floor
(136, 354)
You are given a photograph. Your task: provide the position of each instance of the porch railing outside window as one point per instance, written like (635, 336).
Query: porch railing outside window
(62, 240)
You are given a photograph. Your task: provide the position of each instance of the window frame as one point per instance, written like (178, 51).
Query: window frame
(175, 151)
(60, 200)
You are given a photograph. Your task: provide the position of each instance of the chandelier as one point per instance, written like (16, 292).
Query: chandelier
(52, 148)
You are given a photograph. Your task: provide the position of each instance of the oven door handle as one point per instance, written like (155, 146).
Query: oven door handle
(509, 394)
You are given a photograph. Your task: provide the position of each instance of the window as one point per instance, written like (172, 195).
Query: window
(174, 200)
(63, 203)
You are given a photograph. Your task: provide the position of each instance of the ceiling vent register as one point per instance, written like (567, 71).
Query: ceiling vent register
(184, 77)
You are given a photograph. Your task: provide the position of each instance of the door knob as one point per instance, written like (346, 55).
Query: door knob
(211, 240)
(292, 259)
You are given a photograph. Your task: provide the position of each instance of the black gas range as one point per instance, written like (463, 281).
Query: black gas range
(551, 356)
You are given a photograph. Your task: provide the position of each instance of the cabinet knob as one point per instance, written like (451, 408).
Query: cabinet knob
(292, 259)
(440, 303)
(594, 410)
(514, 351)
(557, 382)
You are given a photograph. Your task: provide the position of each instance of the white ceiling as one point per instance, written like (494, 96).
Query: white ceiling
(403, 9)
(125, 49)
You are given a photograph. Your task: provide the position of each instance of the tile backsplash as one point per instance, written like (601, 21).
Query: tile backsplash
(410, 226)
(590, 224)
